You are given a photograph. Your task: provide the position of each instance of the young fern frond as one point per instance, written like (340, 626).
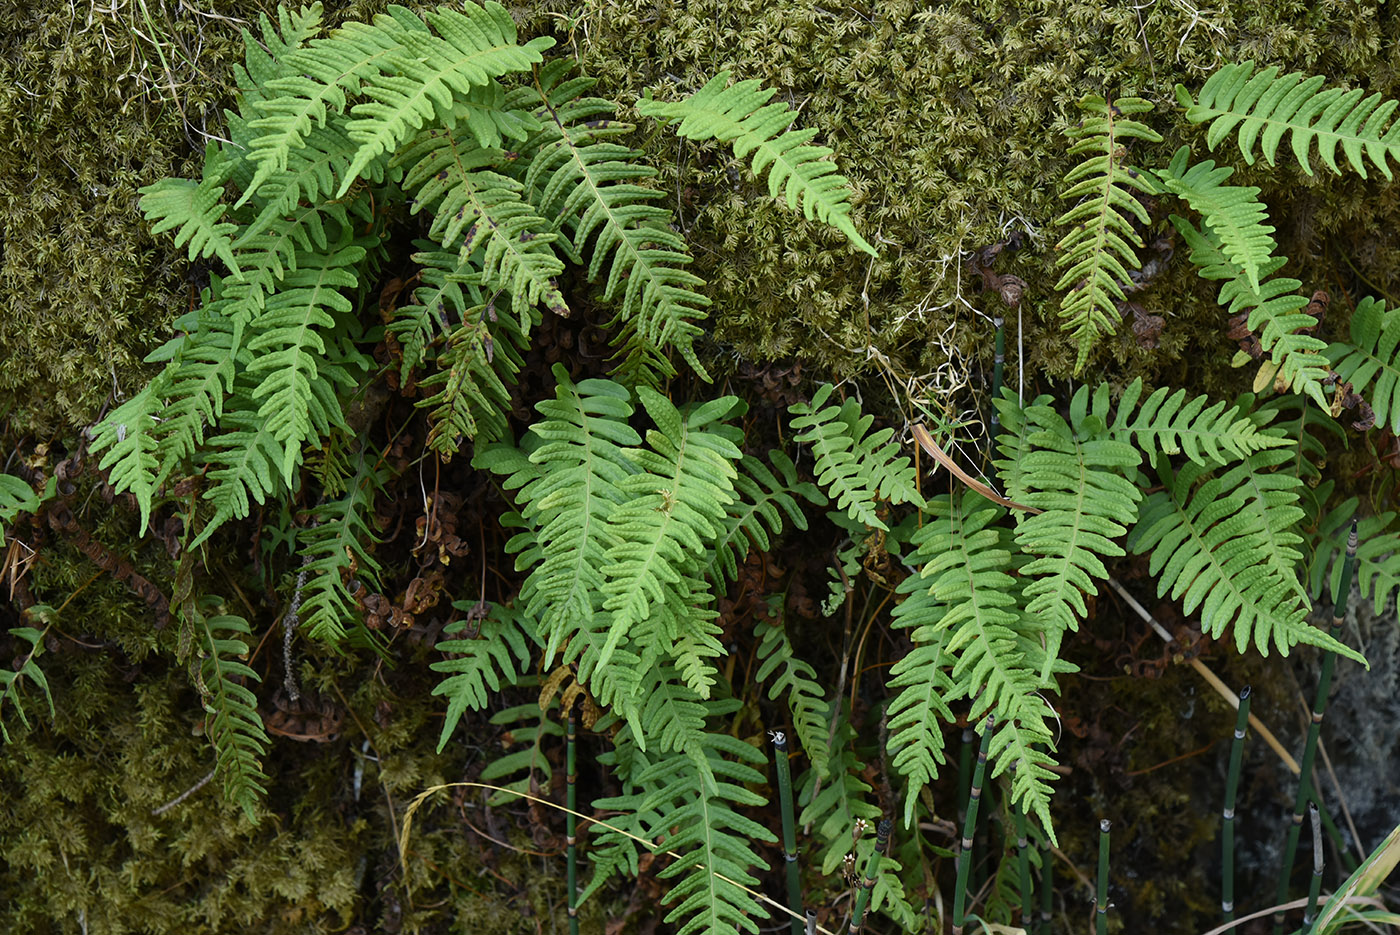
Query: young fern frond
(128, 435)
(1233, 212)
(742, 116)
(1076, 477)
(1275, 311)
(858, 469)
(971, 641)
(796, 681)
(233, 724)
(1371, 361)
(1098, 251)
(842, 799)
(1261, 109)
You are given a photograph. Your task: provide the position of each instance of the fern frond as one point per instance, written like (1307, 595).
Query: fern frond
(233, 724)
(1172, 424)
(1371, 361)
(1076, 476)
(857, 468)
(1098, 252)
(1224, 547)
(1377, 552)
(527, 768)
(1233, 212)
(742, 116)
(796, 682)
(716, 842)
(1261, 109)
(242, 460)
(758, 513)
(671, 509)
(590, 185)
(196, 209)
(480, 358)
(335, 547)
(451, 286)
(1275, 314)
(16, 496)
(25, 668)
(971, 641)
(129, 432)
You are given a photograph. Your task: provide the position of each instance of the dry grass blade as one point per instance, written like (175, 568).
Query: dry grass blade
(926, 442)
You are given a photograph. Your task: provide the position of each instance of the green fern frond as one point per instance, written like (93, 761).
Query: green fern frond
(242, 460)
(1225, 547)
(1263, 108)
(335, 547)
(796, 682)
(451, 286)
(16, 496)
(1371, 361)
(758, 513)
(1098, 252)
(263, 59)
(671, 510)
(1076, 476)
(25, 668)
(858, 469)
(971, 641)
(741, 115)
(1377, 552)
(590, 185)
(129, 432)
(1172, 424)
(834, 805)
(526, 769)
(196, 209)
(1233, 212)
(716, 842)
(233, 724)
(472, 398)
(1275, 314)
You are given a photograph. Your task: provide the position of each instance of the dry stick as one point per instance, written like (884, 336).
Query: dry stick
(1232, 780)
(1324, 685)
(402, 837)
(1214, 680)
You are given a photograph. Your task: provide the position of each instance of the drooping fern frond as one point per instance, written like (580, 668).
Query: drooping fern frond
(758, 513)
(1172, 423)
(1075, 473)
(1370, 362)
(1275, 311)
(1224, 546)
(129, 432)
(794, 680)
(590, 185)
(742, 116)
(858, 469)
(1098, 251)
(1233, 212)
(971, 640)
(233, 724)
(1261, 109)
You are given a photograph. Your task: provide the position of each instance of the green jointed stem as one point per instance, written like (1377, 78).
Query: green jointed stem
(872, 873)
(1101, 906)
(1315, 887)
(1047, 887)
(970, 826)
(794, 883)
(1324, 683)
(1232, 781)
(998, 364)
(570, 822)
(1023, 857)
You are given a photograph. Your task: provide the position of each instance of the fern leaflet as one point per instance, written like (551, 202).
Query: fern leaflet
(796, 681)
(1370, 363)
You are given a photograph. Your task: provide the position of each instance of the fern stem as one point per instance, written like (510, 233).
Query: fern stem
(872, 873)
(794, 883)
(1227, 880)
(1023, 859)
(1047, 887)
(1101, 905)
(1315, 887)
(570, 821)
(969, 827)
(1340, 598)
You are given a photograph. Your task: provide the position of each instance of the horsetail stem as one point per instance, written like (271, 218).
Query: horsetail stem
(1315, 887)
(570, 821)
(1227, 881)
(1101, 905)
(794, 883)
(998, 363)
(970, 826)
(872, 873)
(1023, 858)
(1324, 683)
(1047, 887)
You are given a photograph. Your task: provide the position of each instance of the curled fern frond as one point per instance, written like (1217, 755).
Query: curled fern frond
(1261, 109)
(1370, 362)
(1275, 311)
(857, 468)
(741, 115)
(1098, 252)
